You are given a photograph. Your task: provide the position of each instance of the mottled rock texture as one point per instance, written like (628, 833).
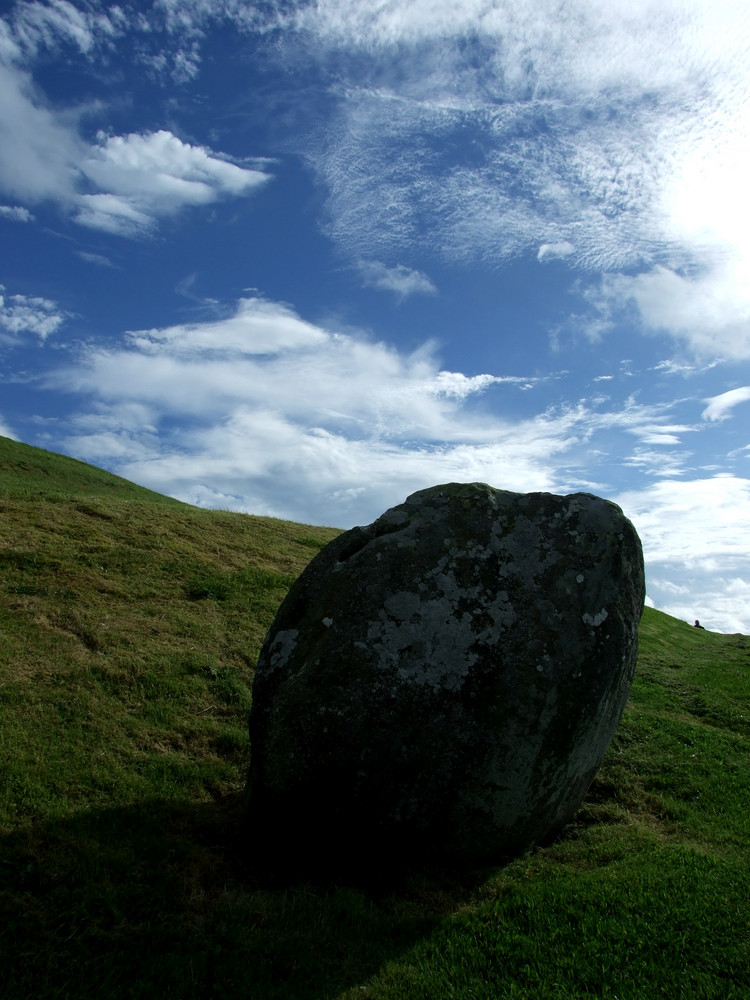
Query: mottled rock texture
(447, 679)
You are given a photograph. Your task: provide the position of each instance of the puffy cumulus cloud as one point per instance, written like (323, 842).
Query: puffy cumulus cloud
(694, 535)
(402, 281)
(555, 251)
(153, 175)
(28, 314)
(140, 178)
(720, 407)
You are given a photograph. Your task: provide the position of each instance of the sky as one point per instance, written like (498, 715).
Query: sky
(301, 259)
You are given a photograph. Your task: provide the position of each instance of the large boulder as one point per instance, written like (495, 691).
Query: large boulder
(447, 679)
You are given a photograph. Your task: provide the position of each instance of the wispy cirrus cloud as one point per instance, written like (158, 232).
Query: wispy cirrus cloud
(100, 260)
(54, 23)
(606, 137)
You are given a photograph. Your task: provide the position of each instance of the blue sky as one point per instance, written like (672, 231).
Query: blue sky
(302, 259)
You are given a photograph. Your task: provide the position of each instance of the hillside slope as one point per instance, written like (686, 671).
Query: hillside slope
(129, 628)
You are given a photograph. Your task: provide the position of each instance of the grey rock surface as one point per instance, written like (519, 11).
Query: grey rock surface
(446, 680)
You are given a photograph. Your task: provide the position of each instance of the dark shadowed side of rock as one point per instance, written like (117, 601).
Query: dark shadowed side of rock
(446, 680)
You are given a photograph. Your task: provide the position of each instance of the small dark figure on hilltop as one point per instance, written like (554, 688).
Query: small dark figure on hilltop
(697, 624)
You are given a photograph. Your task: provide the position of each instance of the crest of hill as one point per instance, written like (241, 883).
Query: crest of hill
(26, 471)
(75, 495)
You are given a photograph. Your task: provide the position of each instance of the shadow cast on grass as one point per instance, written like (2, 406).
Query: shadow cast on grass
(161, 899)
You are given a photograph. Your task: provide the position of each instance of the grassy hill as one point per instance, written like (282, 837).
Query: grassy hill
(129, 626)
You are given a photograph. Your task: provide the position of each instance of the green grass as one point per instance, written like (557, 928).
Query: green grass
(129, 627)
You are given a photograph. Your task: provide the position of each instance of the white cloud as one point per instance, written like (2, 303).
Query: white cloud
(555, 251)
(48, 25)
(95, 258)
(720, 407)
(606, 135)
(402, 281)
(5, 430)
(703, 522)
(695, 532)
(658, 464)
(122, 184)
(29, 314)
(709, 312)
(55, 25)
(297, 420)
(718, 602)
(674, 366)
(255, 327)
(153, 175)
(113, 214)
(611, 136)
(661, 433)
(160, 166)
(537, 66)
(16, 213)
(316, 425)
(264, 355)
(38, 149)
